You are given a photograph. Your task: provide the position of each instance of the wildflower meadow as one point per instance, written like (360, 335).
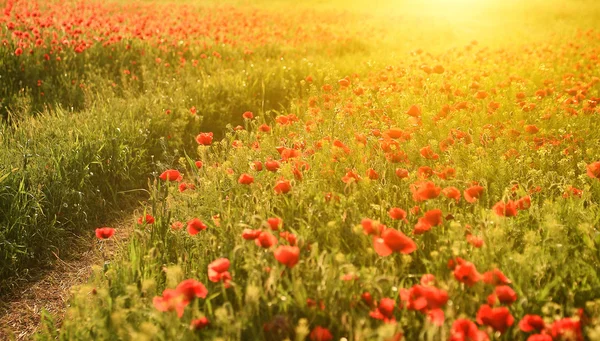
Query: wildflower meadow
(319, 170)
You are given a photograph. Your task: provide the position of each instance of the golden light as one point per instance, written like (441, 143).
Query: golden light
(450, 8)
(452, 21)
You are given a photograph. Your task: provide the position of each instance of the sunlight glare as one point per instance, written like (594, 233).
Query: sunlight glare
(451, 9)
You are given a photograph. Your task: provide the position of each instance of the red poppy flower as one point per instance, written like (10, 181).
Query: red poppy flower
(424, 297)
(248, 115)
(287, 255)
(393, 241)
(272, 165)
(593, 170)
(475, 241)
(218, 271)
(454, 262)
(371, 226)
(257, 166)
(524, 203)
(499, 318)
(567, 329)
(344, 83)
(198, 164)
(465, 330)
(531, 129)
(341, 145)
(289, 154)
(421, 226)
(350, 177)
(245, 179)
(250, 234)
(148, 219)
(397, 213)
(289, 237)
(436, 316)
(481, 94)
(183, 187)
(297, 173)
(320, 334)
(194, 226)
(508, 209)
(445, 144)
(171, 300)
(427, 279)
(282, 120)
(424, 172)
(372, 174)
(104, 232)
(396, 157)
(264, 128)
(386, 307)
(367, 298)
(282, 186)
(171, 175)
(361, 138)
(530, 323)
(265, 240)
(446, 173)
(275, 223)
(451, 193)
(204, 138)
(505, 294)
(401, 173)
(572, 191)
(191, 288)
(219, 265)
(200, 323)
(467, 273)
(422, 191)
(495, 277)
(385, 310)
(414, 111)
(473, 193)
(433, 217)
(428, 153)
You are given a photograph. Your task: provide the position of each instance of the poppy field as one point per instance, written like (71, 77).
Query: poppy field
(415, 171)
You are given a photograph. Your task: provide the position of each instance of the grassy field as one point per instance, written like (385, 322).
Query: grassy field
(320, 170)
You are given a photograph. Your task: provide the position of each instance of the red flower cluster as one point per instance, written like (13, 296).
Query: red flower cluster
(177, 299)
(426, 299)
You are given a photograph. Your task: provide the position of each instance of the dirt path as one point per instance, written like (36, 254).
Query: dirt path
(21, 309)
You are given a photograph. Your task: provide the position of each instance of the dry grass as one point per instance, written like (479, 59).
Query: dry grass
(21, 309)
